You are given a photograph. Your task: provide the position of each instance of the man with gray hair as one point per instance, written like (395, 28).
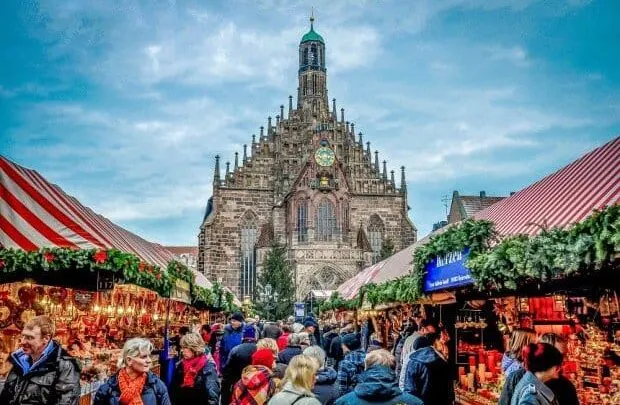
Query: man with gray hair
(377, 384)
(325, 387)
(292, 349)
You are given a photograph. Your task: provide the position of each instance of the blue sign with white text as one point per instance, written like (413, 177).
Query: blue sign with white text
(447, 271)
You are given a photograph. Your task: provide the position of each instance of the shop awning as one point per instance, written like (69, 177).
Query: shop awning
(565, 197)
(35, 213)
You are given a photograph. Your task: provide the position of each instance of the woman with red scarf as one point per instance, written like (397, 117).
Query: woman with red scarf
(195, 377)
(134, 384)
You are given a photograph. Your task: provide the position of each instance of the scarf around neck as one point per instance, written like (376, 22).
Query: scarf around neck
(191, 368)
(131, 388)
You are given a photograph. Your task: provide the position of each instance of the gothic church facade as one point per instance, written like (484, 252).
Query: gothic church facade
(310, 183)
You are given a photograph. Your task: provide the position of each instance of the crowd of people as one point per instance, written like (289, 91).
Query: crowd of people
(246, 362)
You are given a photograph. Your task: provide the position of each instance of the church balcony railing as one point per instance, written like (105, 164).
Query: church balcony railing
(300, 237)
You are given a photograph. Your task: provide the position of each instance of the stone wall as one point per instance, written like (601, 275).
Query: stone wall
(223, 231)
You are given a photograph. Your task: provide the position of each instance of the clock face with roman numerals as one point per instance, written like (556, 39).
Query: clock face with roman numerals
(324, 156)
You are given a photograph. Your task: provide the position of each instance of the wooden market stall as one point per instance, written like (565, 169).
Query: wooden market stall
(101, 283)
(545, 257)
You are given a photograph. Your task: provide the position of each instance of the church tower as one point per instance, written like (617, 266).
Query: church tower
(308, 182)
(312, 90)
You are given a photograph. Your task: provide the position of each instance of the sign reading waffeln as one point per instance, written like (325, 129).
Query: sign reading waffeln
(181, 292)
(447, 271)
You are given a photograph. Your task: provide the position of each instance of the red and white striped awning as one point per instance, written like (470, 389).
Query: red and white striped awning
(565, 197)
(35, 213)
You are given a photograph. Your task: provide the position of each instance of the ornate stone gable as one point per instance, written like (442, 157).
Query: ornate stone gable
(307, 181)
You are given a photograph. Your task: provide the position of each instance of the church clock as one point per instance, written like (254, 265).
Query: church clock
(324, 156)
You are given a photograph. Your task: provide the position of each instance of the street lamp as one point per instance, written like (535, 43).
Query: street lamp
(269, 297)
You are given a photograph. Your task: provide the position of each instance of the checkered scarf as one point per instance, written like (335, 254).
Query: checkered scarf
(256, 387)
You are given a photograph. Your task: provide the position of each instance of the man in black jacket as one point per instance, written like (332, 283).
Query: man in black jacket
(240, 357)
(43, 372)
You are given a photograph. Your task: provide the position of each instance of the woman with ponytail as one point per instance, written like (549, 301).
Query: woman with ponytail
(542, 362)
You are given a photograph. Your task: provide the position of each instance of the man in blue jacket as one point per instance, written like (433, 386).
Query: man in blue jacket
(428, 373)
(378, 384)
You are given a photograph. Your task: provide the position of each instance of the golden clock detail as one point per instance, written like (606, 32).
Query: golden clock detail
(324, 156)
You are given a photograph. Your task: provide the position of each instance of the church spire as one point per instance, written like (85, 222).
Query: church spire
(403, 183)
(216, 172)
(312, 94)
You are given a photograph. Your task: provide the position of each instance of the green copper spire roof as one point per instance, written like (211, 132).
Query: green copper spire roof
(312, 35)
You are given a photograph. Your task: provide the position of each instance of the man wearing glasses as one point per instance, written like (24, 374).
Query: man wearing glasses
(43, 372)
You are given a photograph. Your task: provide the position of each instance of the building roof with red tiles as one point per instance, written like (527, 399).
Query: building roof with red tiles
(179, 250)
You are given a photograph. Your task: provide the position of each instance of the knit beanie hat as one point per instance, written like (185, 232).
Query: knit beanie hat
(237, 316)
(352, 341)
(263, 357)
(249, 333)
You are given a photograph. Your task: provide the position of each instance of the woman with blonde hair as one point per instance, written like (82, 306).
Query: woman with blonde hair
(513, 358)
(134, 384)
(298, 383)
(512, 362)
(195, 377)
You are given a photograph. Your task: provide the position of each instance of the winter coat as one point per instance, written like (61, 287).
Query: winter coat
(231, 339)
(349, 370)
(327, 340)
(564, 391)
(283, 341)
(256, 386)
(335, 349)
(290, 394)
(240, 357)
(398, 351)
(54, 379)
(531, 391)
(206, 389)
(428, 377)
(325, 388)
(378, 386)
(509, 386)
(287, 354)
(153, 393)
(510, 364)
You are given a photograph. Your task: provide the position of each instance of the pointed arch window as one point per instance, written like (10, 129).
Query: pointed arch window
(375, 236)
(249, 236)
(302, 220)
(325, 221)
(344, 208)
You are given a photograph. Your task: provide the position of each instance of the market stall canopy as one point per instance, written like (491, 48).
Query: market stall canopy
(35, 213)
(395, 266)
(565, 197)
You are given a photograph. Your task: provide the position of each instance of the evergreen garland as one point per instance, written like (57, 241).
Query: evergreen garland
(16, 264)
(553, 254)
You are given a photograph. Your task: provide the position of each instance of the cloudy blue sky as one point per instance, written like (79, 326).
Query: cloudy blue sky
(125, 103)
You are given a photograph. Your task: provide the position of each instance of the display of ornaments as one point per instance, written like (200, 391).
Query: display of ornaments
(57, 294)
(7, 311)
(25, 313)
(26, 294)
